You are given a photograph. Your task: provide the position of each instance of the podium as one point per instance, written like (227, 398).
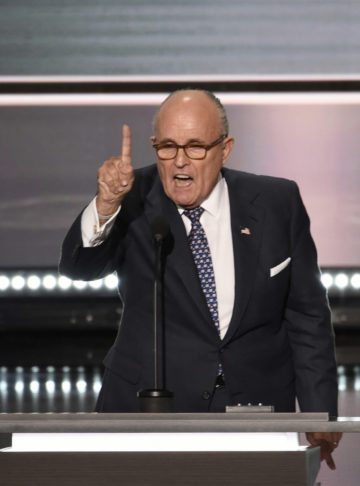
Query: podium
(112, 450)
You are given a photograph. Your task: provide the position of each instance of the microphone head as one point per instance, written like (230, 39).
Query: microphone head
(160, 228)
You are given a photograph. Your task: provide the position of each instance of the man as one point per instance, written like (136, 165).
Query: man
(247, 320)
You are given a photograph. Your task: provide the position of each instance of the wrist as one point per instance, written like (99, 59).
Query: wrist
(105, 211)
(103, 217)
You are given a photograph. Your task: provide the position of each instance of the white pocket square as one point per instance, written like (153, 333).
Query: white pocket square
(278, 268)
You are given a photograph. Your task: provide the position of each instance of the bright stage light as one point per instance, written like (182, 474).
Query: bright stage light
(81, 386)
(18, 282)
(50, 386)
(96, 386)
(34, 386)
(355, 281)
(111, 282)
(33, 282)
(19, 386)
(64, 283)
(96, 284)
(4, 282)
(66, 386)
(327, 280)
(341, 280)
(49, 282)
(79, 284)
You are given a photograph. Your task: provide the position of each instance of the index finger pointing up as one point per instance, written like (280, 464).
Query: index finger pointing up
(126, 144)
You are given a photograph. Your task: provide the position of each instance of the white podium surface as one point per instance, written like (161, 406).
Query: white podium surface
(161, 449)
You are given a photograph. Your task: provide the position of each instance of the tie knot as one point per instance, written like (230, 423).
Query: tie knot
(194, 214)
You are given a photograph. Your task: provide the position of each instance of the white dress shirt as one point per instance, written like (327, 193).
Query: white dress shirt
(217, 225)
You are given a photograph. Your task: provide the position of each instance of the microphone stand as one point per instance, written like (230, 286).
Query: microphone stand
(158, 399)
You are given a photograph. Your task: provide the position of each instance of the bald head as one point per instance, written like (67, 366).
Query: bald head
(188, 97)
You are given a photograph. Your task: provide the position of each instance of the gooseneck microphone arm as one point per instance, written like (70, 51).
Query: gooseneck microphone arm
(159, 361)
(158, 399)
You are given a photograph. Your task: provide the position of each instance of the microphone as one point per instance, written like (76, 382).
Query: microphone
(160, 228)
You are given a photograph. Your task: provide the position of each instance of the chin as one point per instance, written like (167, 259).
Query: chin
(182, 200)
(185, 202)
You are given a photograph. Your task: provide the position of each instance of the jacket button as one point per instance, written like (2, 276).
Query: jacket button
(206, 395)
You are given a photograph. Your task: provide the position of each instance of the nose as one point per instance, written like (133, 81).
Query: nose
(181, 159)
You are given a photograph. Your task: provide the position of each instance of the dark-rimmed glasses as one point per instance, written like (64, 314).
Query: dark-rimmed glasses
(193, 150)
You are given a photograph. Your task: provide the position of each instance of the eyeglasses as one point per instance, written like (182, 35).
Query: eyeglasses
(196, 151)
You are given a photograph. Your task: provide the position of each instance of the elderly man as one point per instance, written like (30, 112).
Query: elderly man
(247, 319)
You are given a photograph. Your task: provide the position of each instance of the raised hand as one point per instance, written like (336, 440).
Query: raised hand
(115, 178)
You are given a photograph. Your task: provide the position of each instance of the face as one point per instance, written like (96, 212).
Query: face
(190, 117)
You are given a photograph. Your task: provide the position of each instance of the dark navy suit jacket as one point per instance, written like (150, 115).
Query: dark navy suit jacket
(279, 344)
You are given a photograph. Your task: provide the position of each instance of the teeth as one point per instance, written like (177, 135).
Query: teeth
(182, 176)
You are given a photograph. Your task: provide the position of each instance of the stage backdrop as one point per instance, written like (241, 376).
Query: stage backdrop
(132, 37)
(50, 156)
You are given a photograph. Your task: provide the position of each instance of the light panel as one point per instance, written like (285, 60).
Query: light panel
(31, 283)
(286, 441)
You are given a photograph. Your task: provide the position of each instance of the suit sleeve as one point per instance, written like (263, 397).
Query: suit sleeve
(91, 263)
(308, 319)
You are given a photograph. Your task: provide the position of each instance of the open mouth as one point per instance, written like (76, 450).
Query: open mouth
(182, 178)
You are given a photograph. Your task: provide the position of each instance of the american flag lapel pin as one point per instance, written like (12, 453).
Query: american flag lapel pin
(245, 231)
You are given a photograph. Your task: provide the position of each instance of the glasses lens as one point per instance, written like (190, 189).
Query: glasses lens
(166, 151)
(195, 152)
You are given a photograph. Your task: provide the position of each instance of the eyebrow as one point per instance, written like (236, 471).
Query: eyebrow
(191, 140)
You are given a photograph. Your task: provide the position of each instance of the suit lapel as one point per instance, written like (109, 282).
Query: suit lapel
(246, 227)
(180, 259)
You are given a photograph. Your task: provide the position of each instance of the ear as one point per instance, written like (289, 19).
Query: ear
(152, 139)
(227, 148)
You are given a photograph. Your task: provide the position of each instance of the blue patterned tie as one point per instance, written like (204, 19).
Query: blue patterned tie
(202, 257)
